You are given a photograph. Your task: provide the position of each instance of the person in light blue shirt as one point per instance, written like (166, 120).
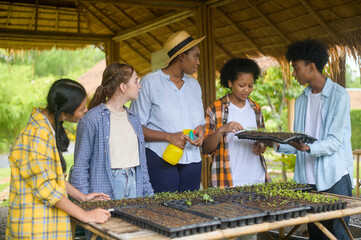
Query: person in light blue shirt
(321, 111)
(170, 101)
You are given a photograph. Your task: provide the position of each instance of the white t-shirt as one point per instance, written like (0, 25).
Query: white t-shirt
(123, 141)
(312, 128)
(246, 167)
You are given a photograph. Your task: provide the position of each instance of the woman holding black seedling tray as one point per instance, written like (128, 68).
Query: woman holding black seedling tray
(280, 137)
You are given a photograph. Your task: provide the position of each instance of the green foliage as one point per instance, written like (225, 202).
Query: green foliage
(356, 129)
(271, 93)
(25, 80)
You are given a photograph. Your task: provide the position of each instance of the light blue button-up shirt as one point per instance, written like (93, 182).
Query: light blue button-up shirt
(163, 107)
(333, 149)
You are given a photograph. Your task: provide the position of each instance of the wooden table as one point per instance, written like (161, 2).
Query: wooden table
(116, 228)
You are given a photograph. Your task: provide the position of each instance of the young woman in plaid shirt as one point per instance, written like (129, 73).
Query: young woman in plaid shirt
(39, 207)
(235, 161)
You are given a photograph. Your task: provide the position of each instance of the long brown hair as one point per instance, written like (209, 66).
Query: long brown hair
(113, 75)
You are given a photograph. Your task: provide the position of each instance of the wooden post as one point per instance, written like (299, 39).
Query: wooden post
(207, 69)
(112, 52)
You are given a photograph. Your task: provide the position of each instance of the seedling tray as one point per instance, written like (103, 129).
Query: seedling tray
(324, 207)
(230, 215)
(159, 218)
(292, 209)
(280, 137)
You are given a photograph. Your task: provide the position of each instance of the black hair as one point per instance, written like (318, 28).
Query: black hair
(309, 50)
(65, 95)
(113, 75)
(235, 66)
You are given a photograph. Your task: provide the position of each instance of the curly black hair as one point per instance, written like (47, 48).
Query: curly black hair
(235, 66)
(309, 50)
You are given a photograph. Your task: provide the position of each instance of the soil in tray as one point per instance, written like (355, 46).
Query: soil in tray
(281, 137)
(164, 216)
(272, 204)
(224, 210)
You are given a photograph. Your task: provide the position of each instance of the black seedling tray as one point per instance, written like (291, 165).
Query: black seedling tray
(324, 207)
(230, 215)
(269, 136)
(293, 209)
(206, 226)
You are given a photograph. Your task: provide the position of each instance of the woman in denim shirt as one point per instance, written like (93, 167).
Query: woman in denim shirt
(110, 149)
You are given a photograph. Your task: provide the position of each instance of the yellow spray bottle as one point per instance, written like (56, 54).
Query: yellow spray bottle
(173, 154)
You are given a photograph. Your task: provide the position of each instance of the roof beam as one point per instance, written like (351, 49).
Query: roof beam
(136, 23)
(165, 4)
(63, 36)
(96, 17)
(153, 24)
(8, 17)
(218, 3)
(235, 26)
(320, 21)
(268, 21)
(36, 14)
(125, 42)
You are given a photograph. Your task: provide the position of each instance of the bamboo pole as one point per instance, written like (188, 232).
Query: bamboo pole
(325, 231)
(346, 228)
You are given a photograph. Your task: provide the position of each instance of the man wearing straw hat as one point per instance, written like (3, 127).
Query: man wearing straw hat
(170, 101)
(321, 111)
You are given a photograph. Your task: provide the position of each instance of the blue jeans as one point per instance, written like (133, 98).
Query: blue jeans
(342, 187)
(124, 183)
(124, 187)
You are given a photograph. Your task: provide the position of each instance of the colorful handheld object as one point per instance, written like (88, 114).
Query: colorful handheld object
(173, 154)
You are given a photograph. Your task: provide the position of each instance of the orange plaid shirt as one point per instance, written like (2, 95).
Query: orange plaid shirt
(216, 116)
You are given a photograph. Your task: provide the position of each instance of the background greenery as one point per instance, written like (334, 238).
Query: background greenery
(25, 79)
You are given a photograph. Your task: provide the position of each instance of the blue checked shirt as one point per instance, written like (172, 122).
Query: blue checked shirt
(92, 168)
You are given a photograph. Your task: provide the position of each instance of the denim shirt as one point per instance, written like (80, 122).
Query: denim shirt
(161, 106)
(333, 149)
(92, 168)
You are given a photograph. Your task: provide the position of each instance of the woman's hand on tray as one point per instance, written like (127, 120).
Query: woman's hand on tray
(259, 148)
(231, 127)
(300, 146)
(91, 197)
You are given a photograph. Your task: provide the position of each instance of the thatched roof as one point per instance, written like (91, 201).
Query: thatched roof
(241, 28)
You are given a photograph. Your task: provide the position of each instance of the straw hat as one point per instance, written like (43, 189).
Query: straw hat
(178, 43)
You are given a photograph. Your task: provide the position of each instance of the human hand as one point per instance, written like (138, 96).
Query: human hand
(178, 139)
(96, 197)
(97, 216)
(300, 146)
(199, 132)
(258, 148)
(231, 127)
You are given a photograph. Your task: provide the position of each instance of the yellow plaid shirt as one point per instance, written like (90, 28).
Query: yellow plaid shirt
(37, 184)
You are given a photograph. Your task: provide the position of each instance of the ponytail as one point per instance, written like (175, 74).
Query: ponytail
(64, 96)
(98, 97)
(62, 140)
(113, 76)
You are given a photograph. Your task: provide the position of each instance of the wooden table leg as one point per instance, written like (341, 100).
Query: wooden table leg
(294, 229)
(268, 235)
(94, 237)
(325, 231)
(346, 228)
(281, 233)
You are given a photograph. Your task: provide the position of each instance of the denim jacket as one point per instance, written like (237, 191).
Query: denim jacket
(333, 149)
